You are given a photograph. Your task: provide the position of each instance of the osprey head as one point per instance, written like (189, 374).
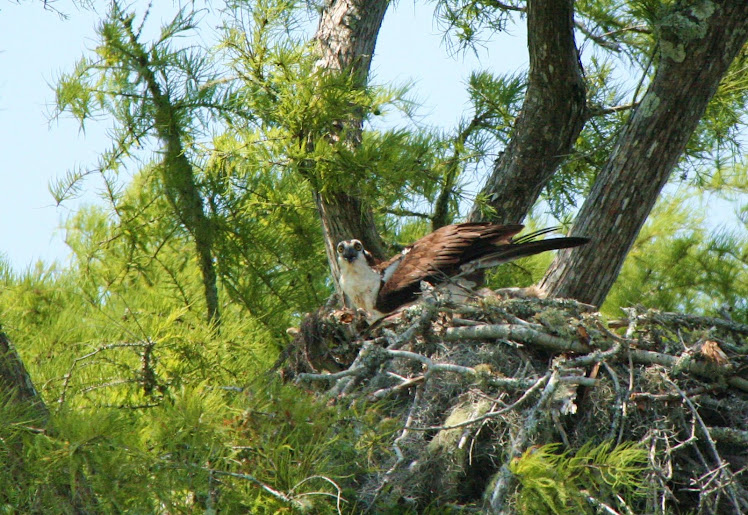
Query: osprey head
(350, 250)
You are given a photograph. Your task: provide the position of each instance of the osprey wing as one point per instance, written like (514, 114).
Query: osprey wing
(437, 256)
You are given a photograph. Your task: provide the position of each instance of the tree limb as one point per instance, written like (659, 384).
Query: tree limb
(552, 116)
(691, 63)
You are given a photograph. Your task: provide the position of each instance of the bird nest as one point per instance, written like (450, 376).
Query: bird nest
(465, 392)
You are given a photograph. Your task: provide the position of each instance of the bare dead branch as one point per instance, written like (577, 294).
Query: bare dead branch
(329, 377)
(690, 321)
(514, 332)
(264, 486)
(491, 414)
(594, 111)
(722, 470)
(431, 366)
(406, 384)
(559, 344)
(672, 396)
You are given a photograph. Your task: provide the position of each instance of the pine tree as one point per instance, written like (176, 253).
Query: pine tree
(150, 90)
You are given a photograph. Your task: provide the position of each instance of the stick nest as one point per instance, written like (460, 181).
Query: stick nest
(462, 390)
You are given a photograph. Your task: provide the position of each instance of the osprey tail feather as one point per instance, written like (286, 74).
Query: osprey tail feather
(520, 249)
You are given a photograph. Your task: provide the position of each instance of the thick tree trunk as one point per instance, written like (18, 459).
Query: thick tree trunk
(16, 383)
(697, 45)
(552, 116)
(17, 387)
(347, 35)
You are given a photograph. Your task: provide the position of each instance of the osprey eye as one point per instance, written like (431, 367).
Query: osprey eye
(358, 246)
(340, 248)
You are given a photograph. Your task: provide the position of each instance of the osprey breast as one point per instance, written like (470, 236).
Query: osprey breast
(361, 284)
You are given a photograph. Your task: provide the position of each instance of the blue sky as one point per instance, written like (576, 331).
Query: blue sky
(36, 46)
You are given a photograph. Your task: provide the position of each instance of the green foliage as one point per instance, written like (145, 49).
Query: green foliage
(115, 81)
(496, 101)
(558, 482)
(621, 30)
(469, 20)
(565, 189)
(689, 269)
(716, 144)
(154, 407)
(174, 455)
(298, 116)
(18, 428)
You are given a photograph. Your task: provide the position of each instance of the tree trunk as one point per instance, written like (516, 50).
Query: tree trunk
(16, 387)
(15, 381)
(347, 35)
(553, 114)
(696, 48)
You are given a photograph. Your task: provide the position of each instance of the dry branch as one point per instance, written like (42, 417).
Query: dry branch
(550, 342)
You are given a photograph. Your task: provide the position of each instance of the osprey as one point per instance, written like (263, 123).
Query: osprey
(446, 254)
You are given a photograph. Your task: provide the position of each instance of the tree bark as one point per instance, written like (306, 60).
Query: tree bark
(17, 387)
(346, 37)
(698, 44)
(553, 114)
(15, 381)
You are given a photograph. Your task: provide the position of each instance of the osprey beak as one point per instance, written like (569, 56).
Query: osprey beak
(350, 254)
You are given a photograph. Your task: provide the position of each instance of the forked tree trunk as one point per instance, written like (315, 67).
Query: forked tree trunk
(346, 36)
(552, 116)
(697, 46)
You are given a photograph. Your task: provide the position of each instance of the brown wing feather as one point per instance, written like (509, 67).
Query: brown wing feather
(443, 251)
